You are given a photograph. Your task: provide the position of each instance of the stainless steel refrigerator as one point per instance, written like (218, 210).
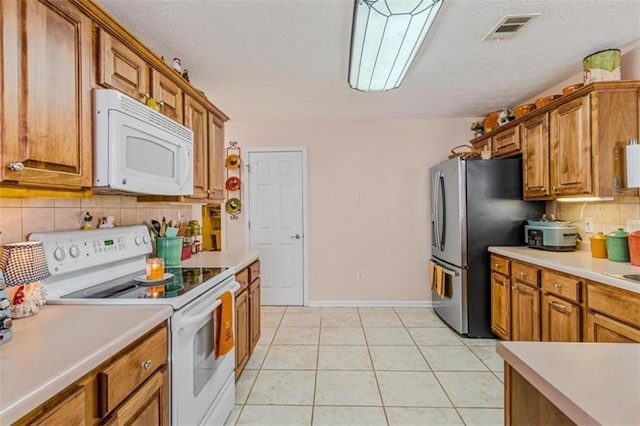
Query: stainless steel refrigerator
(474, 204)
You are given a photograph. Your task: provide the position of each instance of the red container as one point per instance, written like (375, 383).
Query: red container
(634, 248)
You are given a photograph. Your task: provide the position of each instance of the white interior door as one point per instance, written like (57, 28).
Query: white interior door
(276, 223)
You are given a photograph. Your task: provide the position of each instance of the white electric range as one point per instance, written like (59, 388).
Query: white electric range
(104, 266)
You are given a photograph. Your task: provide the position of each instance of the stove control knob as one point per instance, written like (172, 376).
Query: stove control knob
(58, 253)
(138, 240)
(74, 251)
(145, 239)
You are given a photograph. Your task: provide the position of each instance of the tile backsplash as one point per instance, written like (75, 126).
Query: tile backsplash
(21, 217)
(607, 216)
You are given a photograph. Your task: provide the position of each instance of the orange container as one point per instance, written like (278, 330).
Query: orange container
(634, 248)
(599, 245)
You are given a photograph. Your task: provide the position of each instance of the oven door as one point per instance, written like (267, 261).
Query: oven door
(147, 159)
(197, 376)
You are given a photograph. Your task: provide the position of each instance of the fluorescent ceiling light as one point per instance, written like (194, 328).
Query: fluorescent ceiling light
(385, 37)
(583, 199)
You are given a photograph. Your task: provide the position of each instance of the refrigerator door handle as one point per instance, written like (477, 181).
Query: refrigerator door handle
(443, 229)
(434, 209)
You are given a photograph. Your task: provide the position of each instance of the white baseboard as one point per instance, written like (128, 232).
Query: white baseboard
(372, 303)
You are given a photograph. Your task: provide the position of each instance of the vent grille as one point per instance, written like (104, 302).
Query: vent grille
(144, 113)
(509, 26)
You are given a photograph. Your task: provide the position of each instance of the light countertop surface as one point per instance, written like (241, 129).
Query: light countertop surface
(62, 343)
(238, 260)
(579, 263)
(592, 383)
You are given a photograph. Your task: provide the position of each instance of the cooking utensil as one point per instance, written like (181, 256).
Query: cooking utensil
(618, 246)
(156, 226)
(182, 230)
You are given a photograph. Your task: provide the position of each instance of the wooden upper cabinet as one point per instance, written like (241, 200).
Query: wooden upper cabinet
(195, 118)
(506, 143)
(535, 157)
(47, 94)
(216, 158)
(570, 153)
(121, 68)
(168, 94)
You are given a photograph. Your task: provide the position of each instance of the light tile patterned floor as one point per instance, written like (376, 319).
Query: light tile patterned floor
(367, 366)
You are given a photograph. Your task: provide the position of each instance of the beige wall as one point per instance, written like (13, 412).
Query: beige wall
(386, 235)
(20, 217)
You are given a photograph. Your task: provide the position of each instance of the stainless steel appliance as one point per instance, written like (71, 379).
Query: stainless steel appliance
(103, 266)
(138, 150)
(554, 235)
(474, 204)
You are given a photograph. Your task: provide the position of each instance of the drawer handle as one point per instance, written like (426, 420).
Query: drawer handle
(514, 288)
(496, 265)
(145, 365)
(523, 274)
(557, 286)
(559, 306)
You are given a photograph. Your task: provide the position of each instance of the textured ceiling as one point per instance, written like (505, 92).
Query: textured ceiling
(288, 59)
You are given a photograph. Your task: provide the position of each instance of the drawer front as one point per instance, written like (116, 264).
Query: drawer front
(614, 302)
(254, 271)
(525, 273)
(117, 381)
(506, 143)
(565, 286)
(500, 264)
(242, 278)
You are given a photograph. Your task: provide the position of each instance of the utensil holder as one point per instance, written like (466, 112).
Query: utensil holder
(170, 249)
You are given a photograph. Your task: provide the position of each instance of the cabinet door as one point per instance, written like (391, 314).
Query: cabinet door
(570, 151)
(500, 306)
(71, 411)
(168, 94)
(506, 143)
(560, 320)
(195, 118)
(254, 314)
(47, 94)
(146, 406)
(603, 329)
(121, 68)
(216, 158)
(525, 312)
(535, 157)
(242, 331)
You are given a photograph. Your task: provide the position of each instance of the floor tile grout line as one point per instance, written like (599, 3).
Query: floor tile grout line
(375, 376)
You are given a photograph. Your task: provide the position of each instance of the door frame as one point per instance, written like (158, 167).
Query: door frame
(305, 208)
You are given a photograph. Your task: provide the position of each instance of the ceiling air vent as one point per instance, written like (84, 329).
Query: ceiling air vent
(509, 26)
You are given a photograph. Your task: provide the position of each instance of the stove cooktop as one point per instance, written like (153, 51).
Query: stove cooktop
(183, 281)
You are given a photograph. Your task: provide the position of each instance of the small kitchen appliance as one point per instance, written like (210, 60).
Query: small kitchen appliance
(555, 235)
(108, 266)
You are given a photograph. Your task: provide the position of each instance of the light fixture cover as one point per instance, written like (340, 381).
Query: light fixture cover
(23, 263)
(385, 37)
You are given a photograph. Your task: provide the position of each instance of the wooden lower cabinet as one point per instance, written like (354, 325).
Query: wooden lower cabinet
(500, 306)
(525, 312)
(560, 320)
(601, 329)
(254, 312)
(242, 331)
(136, 392)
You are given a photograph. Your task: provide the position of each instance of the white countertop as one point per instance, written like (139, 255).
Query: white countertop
(592, 383)
(238, 259)
(62, 343)
(579, 263)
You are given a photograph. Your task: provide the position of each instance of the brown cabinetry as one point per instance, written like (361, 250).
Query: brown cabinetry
(506, 143)
(46, 104)
(130, 388)
(168, 94)
(120, 68)
(216, 158)
(535, 157)
(195, 118)
(501, 305)
(247, 314)
(560, 320)
(613, 315)
(525, 302)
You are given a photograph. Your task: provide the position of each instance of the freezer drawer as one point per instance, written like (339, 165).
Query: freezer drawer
(452, 309)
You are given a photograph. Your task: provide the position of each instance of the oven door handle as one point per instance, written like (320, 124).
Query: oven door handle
(195, 320)
(236, 286)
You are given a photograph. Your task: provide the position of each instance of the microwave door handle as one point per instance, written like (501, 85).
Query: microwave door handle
(185, 166)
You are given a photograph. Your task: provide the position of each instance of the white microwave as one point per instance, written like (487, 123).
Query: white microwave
(138, 150)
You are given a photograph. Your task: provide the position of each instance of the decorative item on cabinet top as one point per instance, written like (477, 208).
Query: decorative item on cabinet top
(233, 206)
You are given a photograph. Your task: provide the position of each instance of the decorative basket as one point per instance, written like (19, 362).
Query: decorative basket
(464, 151)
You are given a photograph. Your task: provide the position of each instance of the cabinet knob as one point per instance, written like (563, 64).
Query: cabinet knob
(554, 188)
(16, 166)
(161, 103)
(557, 286)
(523, 274)
(514, 288)
(496, 265)
(145, 96)
(145, 365)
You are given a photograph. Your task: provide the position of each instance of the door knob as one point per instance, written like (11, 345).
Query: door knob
(297, 236)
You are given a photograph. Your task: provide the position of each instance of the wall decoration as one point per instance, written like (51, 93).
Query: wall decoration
(233, 206)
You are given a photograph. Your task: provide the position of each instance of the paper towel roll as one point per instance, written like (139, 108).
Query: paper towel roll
(633, 165)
